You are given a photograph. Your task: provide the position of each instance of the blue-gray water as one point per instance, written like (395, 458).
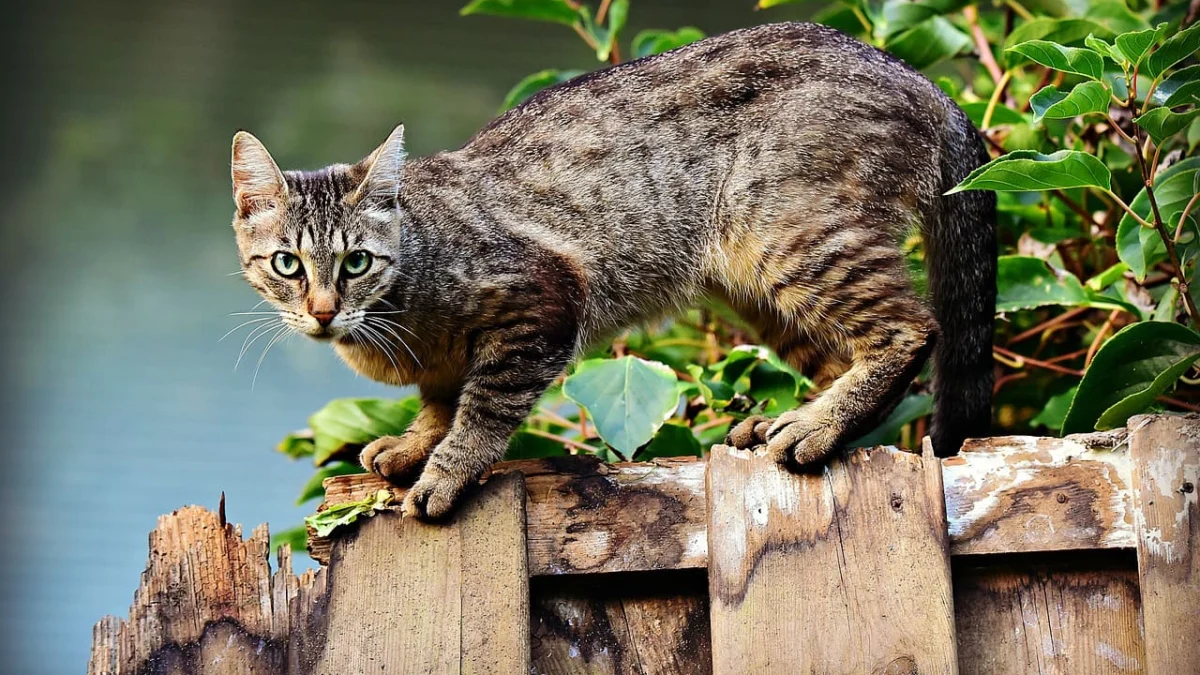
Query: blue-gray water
(120, 403)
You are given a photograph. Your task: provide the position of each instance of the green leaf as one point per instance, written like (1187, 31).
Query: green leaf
(628, 398)
(1055, 412)
(534, 83)
(1089, 97)
(1067, 59)
(1140, 247)
(556, 11)
(1177, 48)
(898, 16)
(1180, 88)
(297, 445)
(1163, 123)
(909, 408)
(333, 517)
(672, 440)
(347, 423)
(295, 537)
(767, 4)
(1025, 282)
(929, 42)
(1027, 170)
(716, 393)
(1002, 114)
(1108, 277)
(775, 389)
(315, 487)
(1137, 364)
(1062, 31)
(650, 42)
(1103, 48)
(1135, 45)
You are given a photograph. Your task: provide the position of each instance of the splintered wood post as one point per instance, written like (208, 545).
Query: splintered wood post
(411, 597)
(846, 571)
(1166, 485)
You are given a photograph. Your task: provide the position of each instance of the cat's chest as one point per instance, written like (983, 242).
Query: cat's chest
(387, 367)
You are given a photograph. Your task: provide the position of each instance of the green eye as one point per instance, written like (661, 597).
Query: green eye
(356, 263)
(287, 265)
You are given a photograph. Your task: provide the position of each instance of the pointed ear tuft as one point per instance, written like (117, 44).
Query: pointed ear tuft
(258, 184)
(383, 168)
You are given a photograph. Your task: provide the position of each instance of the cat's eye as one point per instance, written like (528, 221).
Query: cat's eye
(356, 263)
(287, 265)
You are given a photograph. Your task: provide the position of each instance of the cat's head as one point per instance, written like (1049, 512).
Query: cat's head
(321, 246)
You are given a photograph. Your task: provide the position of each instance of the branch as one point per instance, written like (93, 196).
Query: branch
(981, 43)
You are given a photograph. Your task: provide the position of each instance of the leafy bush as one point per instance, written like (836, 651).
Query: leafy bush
(1090, 110)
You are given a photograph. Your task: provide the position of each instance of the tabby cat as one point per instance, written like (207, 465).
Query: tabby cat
(775, 168)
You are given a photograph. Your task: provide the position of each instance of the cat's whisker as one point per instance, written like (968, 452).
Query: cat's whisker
(240, 325)
(381, 344)
(257, 333)
(404, 344)
(284, 331)
(271, 313)
(401, 326)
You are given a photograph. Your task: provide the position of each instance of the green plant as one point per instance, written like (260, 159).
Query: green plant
(1090, 110)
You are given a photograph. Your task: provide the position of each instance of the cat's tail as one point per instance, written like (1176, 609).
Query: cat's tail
(961, 264)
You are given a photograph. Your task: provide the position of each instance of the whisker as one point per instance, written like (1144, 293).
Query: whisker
(402, 327)
(244, 323)
(271, 313)
(247, 343)
(285, 330)
(367, 322)
(376, 340)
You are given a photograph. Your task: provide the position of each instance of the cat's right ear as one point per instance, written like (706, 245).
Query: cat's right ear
(381, 170)
(258, 184)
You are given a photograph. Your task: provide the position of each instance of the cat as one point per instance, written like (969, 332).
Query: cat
(775, 168)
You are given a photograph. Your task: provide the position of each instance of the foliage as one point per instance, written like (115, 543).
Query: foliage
(1089, 109)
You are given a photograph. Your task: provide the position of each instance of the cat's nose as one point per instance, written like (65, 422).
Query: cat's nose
(324, 317)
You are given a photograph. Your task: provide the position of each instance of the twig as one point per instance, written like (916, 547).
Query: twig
(1049, 323)
(1019, 9)
(715, 422)
(1104, 330)
(602, 11)
(1184, 216)
(981, 43)
(1019, 361)
(1071, 204)
(995, 99)
(561, 439)
(1182, 404)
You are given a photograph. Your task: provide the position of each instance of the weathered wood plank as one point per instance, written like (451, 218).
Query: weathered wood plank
(205, 604)
(1048, 620)
(1166, 476)
(633, 624)
(1021, 493)
(409, 597)
(842, 572)
(589, 517)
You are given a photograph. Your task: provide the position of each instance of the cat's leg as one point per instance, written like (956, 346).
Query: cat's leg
(398, 457)
(511, 369)
(874, 336)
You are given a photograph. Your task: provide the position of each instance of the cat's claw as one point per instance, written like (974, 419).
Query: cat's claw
(433, 496)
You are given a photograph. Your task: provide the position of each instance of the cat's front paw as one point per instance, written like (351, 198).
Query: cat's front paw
(434, 495)
(749, 433)
(395, 457)
(797, 440)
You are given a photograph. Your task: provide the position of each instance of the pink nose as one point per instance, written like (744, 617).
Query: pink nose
(324, 318)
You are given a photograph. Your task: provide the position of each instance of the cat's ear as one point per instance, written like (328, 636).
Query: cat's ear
(382, 170)
(258, 184)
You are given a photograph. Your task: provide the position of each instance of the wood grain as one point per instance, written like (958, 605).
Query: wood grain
(410, 597)
(1021, 493)
(1049, 620)
(653, 623)
(207, 604)
(1003, 495)
(842, 572)
(1166, 475)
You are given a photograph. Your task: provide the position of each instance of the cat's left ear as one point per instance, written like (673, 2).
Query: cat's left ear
(382, 168)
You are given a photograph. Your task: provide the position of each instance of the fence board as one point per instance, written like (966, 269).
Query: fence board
(1027, 619)
(589, 517)
(642, 624)
(1166, 471)
(843, 572)
(409, 597)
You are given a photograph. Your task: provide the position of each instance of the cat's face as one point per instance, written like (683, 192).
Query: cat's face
(321, 246)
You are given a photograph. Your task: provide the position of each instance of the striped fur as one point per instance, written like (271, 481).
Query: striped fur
(777, 168)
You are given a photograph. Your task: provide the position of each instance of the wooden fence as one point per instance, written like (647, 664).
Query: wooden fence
(1020, 555)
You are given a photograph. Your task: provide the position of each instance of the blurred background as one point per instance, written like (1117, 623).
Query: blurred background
(120, 402)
